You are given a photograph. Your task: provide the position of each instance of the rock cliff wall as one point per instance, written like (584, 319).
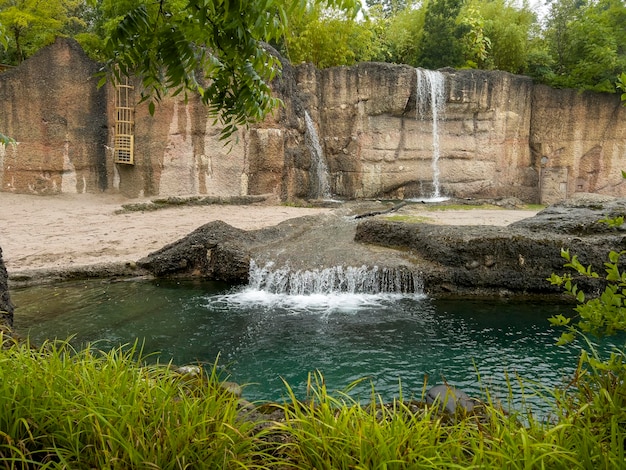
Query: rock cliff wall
(52, 107)
(498, 135)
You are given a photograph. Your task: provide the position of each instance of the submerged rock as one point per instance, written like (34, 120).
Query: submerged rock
(450, 398)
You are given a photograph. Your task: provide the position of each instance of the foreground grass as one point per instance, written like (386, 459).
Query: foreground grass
(87, 409)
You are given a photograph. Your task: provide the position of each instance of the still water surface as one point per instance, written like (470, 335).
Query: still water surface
(263, 338)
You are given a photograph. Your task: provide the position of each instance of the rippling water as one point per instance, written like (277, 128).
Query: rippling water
(263, 338)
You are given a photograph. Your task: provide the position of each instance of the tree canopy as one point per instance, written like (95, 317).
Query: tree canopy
(218, 48)
(31, 24)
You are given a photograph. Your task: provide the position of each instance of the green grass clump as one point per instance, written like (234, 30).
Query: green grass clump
(87, 409)
(411, 219)
(330, 433)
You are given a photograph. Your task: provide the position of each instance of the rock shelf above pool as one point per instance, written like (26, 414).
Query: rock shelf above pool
(464, 260)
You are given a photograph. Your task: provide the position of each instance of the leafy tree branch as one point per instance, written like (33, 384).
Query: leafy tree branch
(213, 48)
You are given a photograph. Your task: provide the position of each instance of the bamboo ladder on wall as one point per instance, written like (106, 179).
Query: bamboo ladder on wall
(124, 123)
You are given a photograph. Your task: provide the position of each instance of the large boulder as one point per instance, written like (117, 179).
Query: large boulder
(215, 250)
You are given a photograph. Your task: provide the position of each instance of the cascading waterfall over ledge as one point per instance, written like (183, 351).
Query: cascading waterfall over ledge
(334, 280)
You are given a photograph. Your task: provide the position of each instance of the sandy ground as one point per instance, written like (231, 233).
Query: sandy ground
(67, 231)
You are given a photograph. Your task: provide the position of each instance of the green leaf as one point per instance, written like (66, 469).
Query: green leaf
(559, 320)
(6, 140)
(565, 338)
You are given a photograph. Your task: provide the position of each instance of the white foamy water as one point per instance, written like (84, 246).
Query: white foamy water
(336, 288)
(321, 303)
(333, 280)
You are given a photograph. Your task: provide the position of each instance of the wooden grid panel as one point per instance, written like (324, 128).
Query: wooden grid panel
(124, 125)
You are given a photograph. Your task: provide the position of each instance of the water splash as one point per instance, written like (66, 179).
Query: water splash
(334, 289)
(321, 189)
(336, 279)
(431, 86)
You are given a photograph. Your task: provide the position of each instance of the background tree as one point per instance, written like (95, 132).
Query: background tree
(32, 24)
(585, 41)
(441, 45)
(509, 30)
(329, 37)
(476, 44)
(400, 36)
(388, 7)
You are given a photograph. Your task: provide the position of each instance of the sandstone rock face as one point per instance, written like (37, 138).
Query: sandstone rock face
(499, 135)
(377, 146)
(52, 107)
(580, 141)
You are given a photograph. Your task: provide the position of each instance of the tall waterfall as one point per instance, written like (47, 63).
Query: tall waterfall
(431, 87)
(334, 280)
(319, 167)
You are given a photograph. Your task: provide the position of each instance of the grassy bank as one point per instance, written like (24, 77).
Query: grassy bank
(88, 409)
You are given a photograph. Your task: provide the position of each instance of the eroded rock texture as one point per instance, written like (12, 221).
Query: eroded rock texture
(52, 107)
(516, 259)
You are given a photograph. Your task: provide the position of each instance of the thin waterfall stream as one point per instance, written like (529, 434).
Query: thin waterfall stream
(319, 174)
(430, 101)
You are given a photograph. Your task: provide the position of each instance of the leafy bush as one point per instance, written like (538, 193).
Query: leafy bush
(595, 400)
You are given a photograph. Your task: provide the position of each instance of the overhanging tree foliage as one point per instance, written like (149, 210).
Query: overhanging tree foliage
(211, 47)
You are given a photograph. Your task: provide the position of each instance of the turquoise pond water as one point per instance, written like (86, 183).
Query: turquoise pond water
(263, 338)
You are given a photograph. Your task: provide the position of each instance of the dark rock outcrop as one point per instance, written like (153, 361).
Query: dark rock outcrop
(515, 259)
(576, 217)
(451, 260)
(215, 250)
(6, 307)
